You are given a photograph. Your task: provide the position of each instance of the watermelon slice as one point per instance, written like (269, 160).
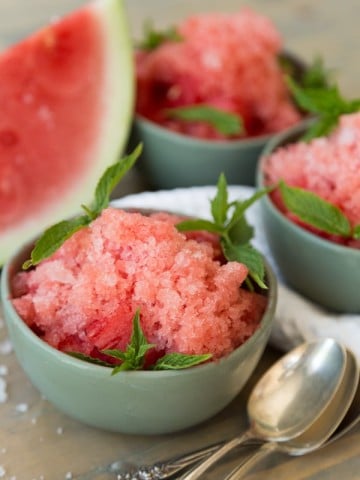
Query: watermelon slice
(66, 102)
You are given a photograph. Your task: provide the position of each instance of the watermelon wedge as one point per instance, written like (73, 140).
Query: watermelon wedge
(66, 102)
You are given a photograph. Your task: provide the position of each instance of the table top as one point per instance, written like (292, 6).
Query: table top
(39, 442)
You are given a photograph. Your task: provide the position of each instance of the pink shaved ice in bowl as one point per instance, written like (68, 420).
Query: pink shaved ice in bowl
(83, 298)
(239, 72)
(322, 266)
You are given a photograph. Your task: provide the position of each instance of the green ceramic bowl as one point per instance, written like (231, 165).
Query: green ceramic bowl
(323, 271)
(171, 160)
(136, 402)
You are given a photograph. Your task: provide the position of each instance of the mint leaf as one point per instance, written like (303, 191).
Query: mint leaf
(316, 100)
(316, 75)
(154, 38)
(356, 233)
(53, 238)
(198, 225)
(249, 256)
(111, 177)
(242, 205)
(134, 356)
(315, 211)
(87, 358)
(238, 229)
(224, 122)
(219, 204)
(56, 235)
(179, 361)
(235, 233)
(322, 127)
(240, 232)
(325, 102)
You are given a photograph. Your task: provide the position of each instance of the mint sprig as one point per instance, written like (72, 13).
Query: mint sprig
(223, 122)
(133, 358)
(326, 103)
(154, 38)
(230, 223)
(317, 212)
(57, 234)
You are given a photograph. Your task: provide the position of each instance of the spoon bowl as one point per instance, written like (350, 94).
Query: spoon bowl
(289, 397)
(320, 430)
(296, 389)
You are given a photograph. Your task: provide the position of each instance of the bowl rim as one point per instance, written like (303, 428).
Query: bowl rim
(276, 142)
(12, 266)
(213, 143)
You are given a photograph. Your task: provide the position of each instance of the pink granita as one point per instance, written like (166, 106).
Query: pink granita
(228, 61)
(83, 298)
(327, 166)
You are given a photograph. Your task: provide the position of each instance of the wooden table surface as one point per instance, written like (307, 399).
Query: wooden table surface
(37, 441)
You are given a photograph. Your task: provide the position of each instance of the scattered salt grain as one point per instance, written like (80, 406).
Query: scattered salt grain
(3, 450)
(34, 420)
(3, 394)
(2, 471)
(6, 347)
(22, 407)
(59, 430)
(68, 476)
(4, 370)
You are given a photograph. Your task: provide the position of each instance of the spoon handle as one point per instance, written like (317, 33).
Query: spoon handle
(204, 465)
(239, 471)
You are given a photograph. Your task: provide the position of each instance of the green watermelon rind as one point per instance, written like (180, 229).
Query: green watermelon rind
(119, 93)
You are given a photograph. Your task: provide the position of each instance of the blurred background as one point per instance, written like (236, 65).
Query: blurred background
(328, 28)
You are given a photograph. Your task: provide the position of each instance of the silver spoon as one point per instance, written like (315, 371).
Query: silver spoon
(175, 466)
(289, 397)
(321, 430)
(320, 364)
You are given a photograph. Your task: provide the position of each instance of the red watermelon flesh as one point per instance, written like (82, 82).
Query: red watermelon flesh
(66, 97)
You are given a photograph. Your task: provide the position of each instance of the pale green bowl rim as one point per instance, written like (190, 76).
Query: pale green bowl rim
(193, 141)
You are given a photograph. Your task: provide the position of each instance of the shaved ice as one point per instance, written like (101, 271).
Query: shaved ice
(228, 61)
(327, 166)
(83, 298)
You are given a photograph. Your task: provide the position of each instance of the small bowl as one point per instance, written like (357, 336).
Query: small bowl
(135, 402)
(323, 271)
(170, 160)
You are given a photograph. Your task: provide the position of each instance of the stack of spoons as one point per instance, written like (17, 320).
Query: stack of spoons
(306, 400)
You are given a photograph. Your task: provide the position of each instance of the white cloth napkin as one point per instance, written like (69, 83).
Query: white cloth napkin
(296, 318)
